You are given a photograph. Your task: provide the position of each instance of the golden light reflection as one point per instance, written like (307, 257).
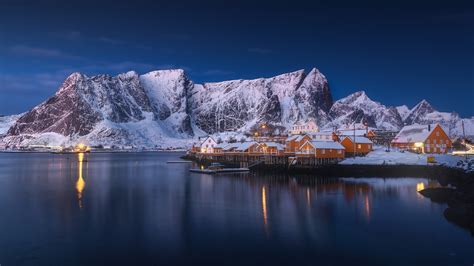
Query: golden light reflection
(308, 197)
(420, 186)
(80, 183)
(367, 206)
(82, 148)
(264, 206)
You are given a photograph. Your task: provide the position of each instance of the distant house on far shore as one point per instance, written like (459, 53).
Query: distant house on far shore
(423, 138)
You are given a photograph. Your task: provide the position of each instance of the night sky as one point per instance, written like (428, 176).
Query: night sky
(397, 51)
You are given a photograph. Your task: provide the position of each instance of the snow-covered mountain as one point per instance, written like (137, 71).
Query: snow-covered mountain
(241, 104)
(404, 111)
(359, 108)
(424, 113)
(166, 109)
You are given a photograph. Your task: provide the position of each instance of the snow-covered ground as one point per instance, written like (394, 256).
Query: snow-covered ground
(395, 157)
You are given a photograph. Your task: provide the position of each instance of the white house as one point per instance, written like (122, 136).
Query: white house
(207, 145)
(323, 136)
(308, 127)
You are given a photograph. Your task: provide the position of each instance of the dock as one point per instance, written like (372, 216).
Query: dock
(224, 170)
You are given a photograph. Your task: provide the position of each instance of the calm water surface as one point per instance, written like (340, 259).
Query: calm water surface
(135, 209)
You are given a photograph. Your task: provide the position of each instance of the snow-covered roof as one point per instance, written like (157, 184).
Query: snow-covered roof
(413, 133)
(325, 133)
(349, 132)
(244, 146)
(200, 143)
(362, 140)
(221, 145)
(295, 137)
(326, 145)
(274, 144)
(230, 146)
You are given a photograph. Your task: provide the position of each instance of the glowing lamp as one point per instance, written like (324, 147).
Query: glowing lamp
(418, 144)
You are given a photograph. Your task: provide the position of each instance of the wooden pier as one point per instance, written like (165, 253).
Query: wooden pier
(252, 160)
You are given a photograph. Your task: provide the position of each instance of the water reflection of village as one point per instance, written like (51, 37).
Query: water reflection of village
(356, 193)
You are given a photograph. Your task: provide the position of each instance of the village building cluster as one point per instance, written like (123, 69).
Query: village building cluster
(305, 140)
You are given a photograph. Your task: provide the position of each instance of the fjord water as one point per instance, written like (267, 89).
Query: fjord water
(135, 209)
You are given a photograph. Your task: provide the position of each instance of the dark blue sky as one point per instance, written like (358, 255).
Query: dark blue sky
(397, 51)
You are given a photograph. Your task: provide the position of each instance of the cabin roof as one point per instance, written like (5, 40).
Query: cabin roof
(349, 132)
(201, 142)
(244, 146)
(296, 138)
(274, 144)
(326, 145)
(413, 133)
(360, 140)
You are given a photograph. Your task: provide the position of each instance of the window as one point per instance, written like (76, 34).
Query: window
(323, 151)
(428, 149)
(434, 141)
(359, 146)
(339, 151)
(440, 141)
(437, 133)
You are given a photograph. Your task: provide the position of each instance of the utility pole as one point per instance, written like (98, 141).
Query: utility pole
(354, 140)
(464, 138)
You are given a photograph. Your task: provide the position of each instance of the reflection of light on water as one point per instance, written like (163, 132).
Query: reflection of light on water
(367, 206)
(264, 205)
(308, 197)
(420, 186)
(80, 183)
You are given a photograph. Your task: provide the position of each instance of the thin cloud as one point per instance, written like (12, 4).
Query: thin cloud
(31, 83)
(111, 41)
(25, 50)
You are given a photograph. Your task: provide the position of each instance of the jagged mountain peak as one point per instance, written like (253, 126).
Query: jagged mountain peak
(358, 107)
(423, 104)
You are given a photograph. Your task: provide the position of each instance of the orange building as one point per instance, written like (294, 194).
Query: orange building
(293, 143)
(359, 145)
(321, 149)
(271, 148)
(423, 139)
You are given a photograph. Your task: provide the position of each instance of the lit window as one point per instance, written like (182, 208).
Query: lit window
(323, 151)
(359, 146)
(339, 151)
